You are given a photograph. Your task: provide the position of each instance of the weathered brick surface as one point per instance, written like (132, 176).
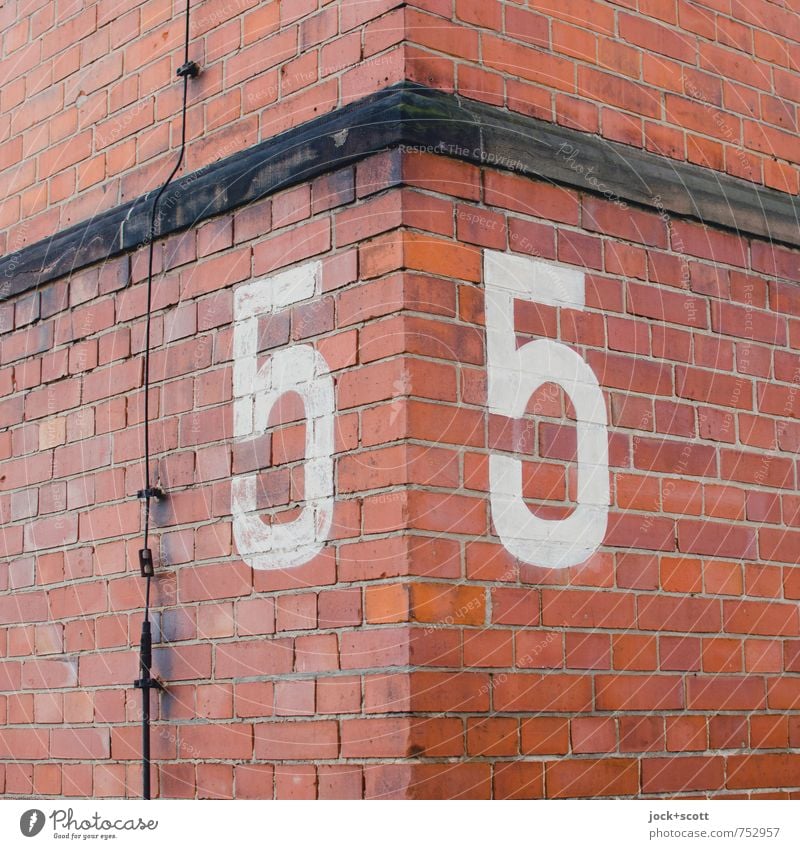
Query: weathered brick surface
(414, 656)
(89, 95)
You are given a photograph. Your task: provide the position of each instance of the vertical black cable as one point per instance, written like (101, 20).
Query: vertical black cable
(146, 684)
(146, 681)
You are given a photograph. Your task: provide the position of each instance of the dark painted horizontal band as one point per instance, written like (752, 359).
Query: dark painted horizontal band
(416, 116)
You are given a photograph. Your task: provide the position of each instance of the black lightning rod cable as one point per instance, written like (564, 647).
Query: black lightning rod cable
(146, 682)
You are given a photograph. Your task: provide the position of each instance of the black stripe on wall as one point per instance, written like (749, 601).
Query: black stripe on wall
(416, 116)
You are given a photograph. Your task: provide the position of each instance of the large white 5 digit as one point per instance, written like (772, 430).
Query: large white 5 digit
(299, 369)
(514, 374)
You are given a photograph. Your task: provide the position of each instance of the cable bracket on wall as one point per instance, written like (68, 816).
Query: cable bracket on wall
(146, 563)
(149, 684)
(189, 69)
(151, 492)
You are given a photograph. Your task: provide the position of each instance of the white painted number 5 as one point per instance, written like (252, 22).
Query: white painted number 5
(514, 374)
(300, 369)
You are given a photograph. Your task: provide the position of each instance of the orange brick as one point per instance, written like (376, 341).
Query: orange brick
(446, 604)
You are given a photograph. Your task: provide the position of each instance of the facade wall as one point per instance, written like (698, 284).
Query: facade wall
(88, 113)
(412, 642)
(713, 83)
(413, 656)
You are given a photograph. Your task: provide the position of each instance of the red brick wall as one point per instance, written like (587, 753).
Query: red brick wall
(714, 83)
(667, 662)
(89, 105)
(413, 656)
(89, 101)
